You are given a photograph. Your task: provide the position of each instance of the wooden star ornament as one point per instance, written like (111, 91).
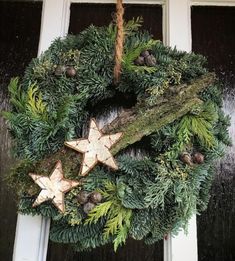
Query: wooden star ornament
(96, 148)
(53, 187)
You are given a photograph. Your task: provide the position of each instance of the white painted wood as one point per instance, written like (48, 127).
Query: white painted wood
(54, 23)
(31, 238)
(183, 247)
(32, 233)
(213, 2)
(177, 24)
(152, 2)
(178, 33)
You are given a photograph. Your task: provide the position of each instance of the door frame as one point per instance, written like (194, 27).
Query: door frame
(33, 232)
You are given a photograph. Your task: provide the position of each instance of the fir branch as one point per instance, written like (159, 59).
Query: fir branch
(35, 105)
(199, 124)
(131, 54)
(17, 97)
(117, 216)
(132, 25)
(98, 212)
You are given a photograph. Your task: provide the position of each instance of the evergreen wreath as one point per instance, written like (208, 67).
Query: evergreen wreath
(173, 128)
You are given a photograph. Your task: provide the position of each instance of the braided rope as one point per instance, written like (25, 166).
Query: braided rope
(119, 41)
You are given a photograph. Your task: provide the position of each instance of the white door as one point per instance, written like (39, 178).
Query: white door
(33, 231)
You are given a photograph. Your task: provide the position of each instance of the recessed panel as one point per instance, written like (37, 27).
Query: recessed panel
(83, 15)
(213, 35)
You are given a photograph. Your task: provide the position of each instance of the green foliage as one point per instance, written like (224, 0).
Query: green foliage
(132, 25)
(199, 123)
(98, 212)
(196, 126)
(19, 175)
(131, 54)
(45, 210)
(18, 98)
(118, 217)
(153, 192)
(35, 104)
(30, 103)
(32, 125)
(129, 27)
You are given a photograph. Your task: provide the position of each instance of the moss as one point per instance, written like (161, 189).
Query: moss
(19, 179)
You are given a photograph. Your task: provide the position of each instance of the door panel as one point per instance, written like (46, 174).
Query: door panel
(19, 36)
(213, 35)
(82, 15)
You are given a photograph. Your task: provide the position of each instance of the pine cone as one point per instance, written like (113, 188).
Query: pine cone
(150, 60)
(198, 158)
(139, 61)
(145, 53)
(95, 197)
(83, 197)
(88, 207)
(186, 158)
(71, 72)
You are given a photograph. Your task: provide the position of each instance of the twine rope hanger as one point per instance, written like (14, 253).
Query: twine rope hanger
(119, 41)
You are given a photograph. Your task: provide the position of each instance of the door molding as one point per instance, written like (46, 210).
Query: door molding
(146, 2)
(213, 2)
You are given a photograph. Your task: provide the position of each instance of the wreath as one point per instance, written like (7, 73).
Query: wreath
(145, 143)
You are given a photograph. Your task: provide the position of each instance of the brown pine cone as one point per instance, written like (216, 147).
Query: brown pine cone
(145, 53)
(95, 197)
(71, 72)
(198, 158)
(139, 61)
(186, 158)
(83, 197)
(150, 60)
(88, 207)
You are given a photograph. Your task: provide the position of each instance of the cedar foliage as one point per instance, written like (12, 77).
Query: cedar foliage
(151, 194)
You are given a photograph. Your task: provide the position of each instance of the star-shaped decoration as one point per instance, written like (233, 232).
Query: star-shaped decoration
(96, 148)
(53, 187)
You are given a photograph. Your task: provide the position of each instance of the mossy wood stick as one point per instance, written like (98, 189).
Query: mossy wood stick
(139, 122)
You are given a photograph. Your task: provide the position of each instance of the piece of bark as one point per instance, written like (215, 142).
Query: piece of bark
(139, 122)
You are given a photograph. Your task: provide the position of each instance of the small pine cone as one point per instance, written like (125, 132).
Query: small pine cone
(198, 158)
(88, 207)
(59, 70)
(145, 53)
(150, 60)
(139, 61)
(186, 158)
(83, 197)
(95, 197)
(71, 72)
